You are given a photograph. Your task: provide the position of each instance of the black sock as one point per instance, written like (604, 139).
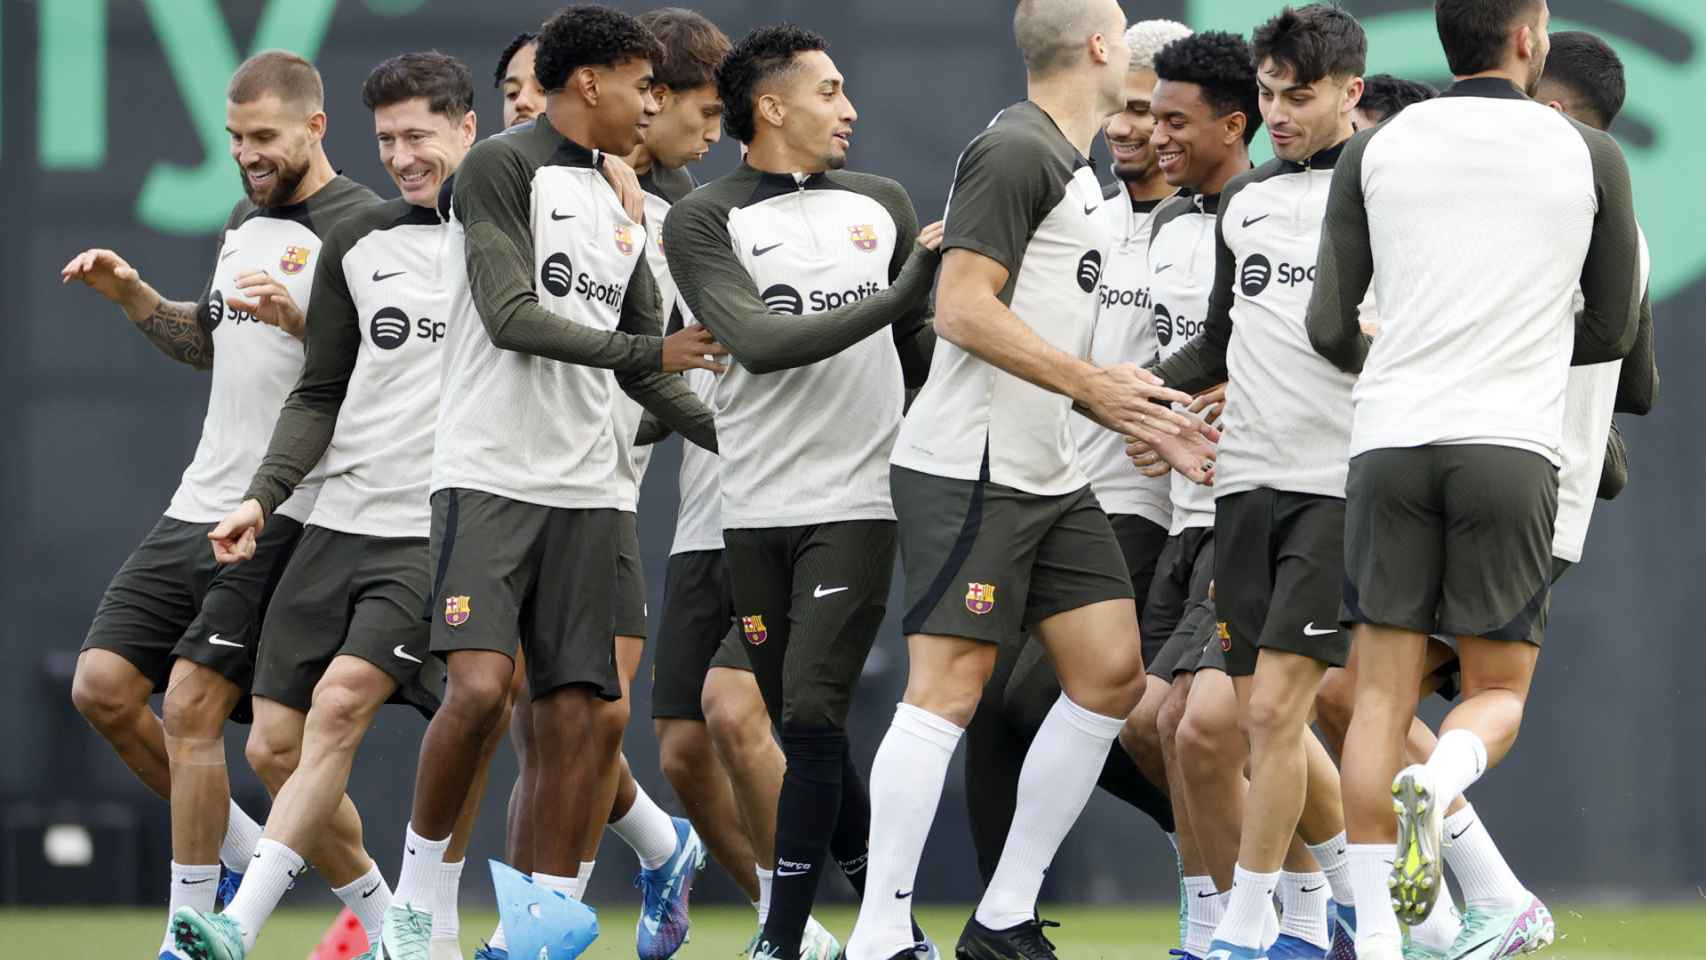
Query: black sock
(806, 815)
(851, 842)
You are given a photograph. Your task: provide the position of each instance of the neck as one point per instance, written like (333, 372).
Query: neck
(641, 160)
(320, 173)
(1513, 75)
(771, 154)
(1237, 161)
(1152, 187)
(570, 119)
(1066, 97)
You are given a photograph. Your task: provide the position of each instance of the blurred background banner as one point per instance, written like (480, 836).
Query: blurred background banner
(112, 135)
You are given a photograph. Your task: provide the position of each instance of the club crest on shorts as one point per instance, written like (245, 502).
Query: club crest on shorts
(864, 236)
(624, 239)
(294, 259)
(753, 627)
(980, 598)
(1225, 636)
(457, 611)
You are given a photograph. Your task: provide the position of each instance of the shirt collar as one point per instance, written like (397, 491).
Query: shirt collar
(1322, 160)
(1497, 88)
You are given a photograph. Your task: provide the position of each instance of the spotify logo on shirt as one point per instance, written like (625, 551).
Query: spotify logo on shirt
(1089, 270)
(782, 298)
(389, 328)
(558, 275)
(1253, 279)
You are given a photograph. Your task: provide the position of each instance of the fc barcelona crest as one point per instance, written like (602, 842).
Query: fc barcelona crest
(294, 259)
(457, 611)
(753, 627)
(980, 598)
(863, 236)
(1225, 637)
(624, 239)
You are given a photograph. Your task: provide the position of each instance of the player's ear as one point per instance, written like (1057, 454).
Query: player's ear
(584, 81)
(771, 110)
(1235, 122)
(1098, 46)
(317, 124)
(662, 93)
(1558, 106)
(1353, 94)
(1525, 42)
(470, 128)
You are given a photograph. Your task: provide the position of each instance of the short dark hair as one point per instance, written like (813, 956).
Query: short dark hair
(1219, 63)
(522, 39)
(589, 36)
(1385, 96)
(1474, 32)
(280, 73)
(1593, 73)
(1320, 40)
(442, 80)
(759, 56)
(693, 47)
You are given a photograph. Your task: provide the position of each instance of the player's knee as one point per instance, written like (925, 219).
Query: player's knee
(1333, 707)
(1140, 735)
(610, 720)
(1170, 715)
(1205, 742)
(737, 723)
(271, 756)
(339, 711)
(477, 698)
(683, 753)
(194, 708)
(1269, 716)
(100, 697)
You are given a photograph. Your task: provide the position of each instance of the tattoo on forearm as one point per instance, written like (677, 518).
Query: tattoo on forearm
(175, 329)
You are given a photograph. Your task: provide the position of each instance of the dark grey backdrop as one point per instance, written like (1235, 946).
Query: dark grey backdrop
(1600, 797)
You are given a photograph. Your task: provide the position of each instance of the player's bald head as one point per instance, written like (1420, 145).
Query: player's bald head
(1054, 34)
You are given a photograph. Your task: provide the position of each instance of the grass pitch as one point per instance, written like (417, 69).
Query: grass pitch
(720, 932)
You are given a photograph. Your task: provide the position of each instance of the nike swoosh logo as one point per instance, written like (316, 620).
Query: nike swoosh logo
(1164, 269)
(1090, 210)
(404, 654)
(1460, 832)
(1202, 896)
(898, 895)
(369, 891)
(219, 641)
(1250, 220)
(1309, 630)
(1311, 889)
(191, 883)
(411, 852)
(227, 255)
(382, 277)
(819, 592)
(780, 872)
(758, 251)
(561, 216)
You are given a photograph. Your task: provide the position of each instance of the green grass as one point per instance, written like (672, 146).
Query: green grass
(1088, 933)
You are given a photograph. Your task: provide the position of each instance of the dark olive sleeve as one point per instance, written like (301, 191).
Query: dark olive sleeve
(1344, 265)
(1614, 475)
(664, 395)
(1611, 275)
(1638, 379)
(1201, 364)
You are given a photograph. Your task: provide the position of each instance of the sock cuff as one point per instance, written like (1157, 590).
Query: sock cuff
(1331, 846)
(1088, 721)
(1471, 741)
(562, 885)
(1462, 819)
(194, 870)
(764, 874)
(1371, 849)
(416, 840)
(360, 882)
(932, 729)
(1200, 885)
(273, 846)
(452, 866)
(1240, 872)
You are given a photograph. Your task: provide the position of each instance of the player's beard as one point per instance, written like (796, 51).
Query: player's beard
(285, 183)
(1137, 172)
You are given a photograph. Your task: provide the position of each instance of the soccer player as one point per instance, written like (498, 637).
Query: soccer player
(514, 79)
(817, 281)
(1479, 294)
(999, 529)
(1384, 95)
(1279, 480)
(524, 534)
(346, 633)
(173, 619)
(1023, 685)
(1207, 114)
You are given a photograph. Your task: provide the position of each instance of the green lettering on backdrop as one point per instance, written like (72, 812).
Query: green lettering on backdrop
(1407, 44)
(202, 56)
(72, 69)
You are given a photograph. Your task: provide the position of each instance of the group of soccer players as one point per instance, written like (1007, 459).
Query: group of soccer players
(1241, 450)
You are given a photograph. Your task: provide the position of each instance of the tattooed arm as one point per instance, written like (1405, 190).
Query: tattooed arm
(173, 326)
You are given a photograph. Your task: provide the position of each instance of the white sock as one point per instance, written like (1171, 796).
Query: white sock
(1202, 914)
(241, 834)
(1055, 782)
(446, 923)
(647, 830)
(418, 879)
(1458, 761)
(194, 886)
(367, 898)
(563, 885)
(907, 776)
(496, 941)
(583, 880)
(271, 871)
(766, 879)
(1439, 931)
(1303, 902)
(1331, 857)
(1250, 908)
(1481, 871)
(1371, 867)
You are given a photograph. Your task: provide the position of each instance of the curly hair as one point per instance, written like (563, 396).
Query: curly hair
(759, 56)
(589, 36)
(1320, 40)
(693, 47)
(1219, 64)
(522, 39)
(1384, 96)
